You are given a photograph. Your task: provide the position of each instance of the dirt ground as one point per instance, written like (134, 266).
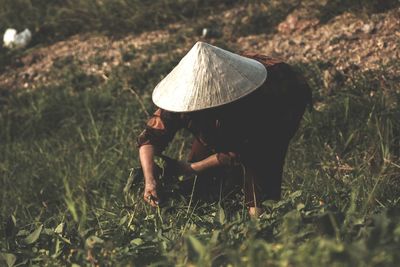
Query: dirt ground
(344, 43)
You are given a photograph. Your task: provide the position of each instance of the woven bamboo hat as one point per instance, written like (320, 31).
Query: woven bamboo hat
(206, 77)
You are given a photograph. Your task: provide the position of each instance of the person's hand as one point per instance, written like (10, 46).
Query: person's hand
(150, 193)
(177, 168)
(184, 168)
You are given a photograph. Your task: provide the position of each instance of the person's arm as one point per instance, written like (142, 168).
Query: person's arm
(205, 164)
(222, 159)
(160, 130)
(146, 155)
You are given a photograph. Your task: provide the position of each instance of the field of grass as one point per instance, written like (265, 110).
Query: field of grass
(68, 148)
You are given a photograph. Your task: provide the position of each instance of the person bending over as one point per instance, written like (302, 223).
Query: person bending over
(242, 110)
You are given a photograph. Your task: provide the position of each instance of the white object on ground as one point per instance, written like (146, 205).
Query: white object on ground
(12, 39)
(9, 37)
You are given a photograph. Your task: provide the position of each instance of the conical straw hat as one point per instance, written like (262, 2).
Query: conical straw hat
(206, 77)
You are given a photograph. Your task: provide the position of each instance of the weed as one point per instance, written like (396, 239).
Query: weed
(68, 147)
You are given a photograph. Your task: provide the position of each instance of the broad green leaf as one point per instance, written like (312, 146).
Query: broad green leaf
(137, 241)
(280, 204)
(23, 232)
(123, 220)
(214, 237)
(9, 258)
(93, 240)
(300, 206)
(396, 233)
(269, 203)
(65, 240)
(48, 231)
(196, 245)
(34, 236)
(221, 215)
(149, 217)
(295, 194)
(60, 229)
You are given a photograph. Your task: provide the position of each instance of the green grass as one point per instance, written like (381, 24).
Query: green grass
(67, 150)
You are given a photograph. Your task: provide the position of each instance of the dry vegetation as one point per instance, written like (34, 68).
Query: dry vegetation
(72, 105)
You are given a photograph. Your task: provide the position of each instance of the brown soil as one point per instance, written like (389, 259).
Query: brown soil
(347, 42)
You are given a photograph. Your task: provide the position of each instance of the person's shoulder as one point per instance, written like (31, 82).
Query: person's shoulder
(266, 60)
(170, 116)
(164, 114)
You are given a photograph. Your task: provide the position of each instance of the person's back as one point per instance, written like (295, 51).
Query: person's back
(248, 125)
(273, 110)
